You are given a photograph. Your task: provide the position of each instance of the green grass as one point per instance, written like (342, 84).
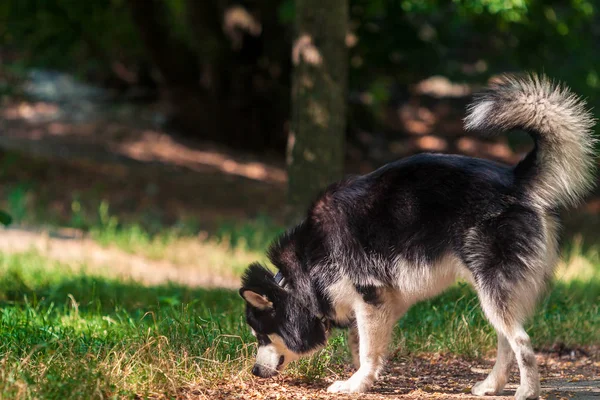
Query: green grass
(249, 236)
(65, 333)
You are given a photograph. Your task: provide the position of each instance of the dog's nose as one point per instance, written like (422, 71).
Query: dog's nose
(263, 372)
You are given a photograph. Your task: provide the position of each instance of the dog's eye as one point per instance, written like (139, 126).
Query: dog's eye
(280, 361)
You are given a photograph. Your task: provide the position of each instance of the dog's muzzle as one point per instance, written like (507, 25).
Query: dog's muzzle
(266, 372)
(263, 372)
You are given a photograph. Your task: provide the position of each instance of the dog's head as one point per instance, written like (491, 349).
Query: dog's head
(285, 328)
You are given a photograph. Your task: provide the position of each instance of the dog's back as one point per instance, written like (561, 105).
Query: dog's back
(496, 219)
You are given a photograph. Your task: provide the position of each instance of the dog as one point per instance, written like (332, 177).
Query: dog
(373, 245)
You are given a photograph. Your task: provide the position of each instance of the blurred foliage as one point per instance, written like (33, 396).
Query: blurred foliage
(85, 36)
(446, 37)
(397, 41)
(5, 218)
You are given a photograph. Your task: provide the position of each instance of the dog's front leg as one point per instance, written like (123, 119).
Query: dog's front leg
(375, 324)
(353, 343)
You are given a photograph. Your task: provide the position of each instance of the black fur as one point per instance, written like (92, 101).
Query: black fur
(419, 209)
(303, 329)
(369, 293)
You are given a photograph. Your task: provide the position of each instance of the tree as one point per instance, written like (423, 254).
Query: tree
(316, 140)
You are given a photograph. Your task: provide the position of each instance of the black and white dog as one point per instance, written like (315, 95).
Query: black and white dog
(371, 246)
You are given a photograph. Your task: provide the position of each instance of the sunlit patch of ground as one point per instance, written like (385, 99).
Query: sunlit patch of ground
(29, 125)
(157, 147)
(191, 262)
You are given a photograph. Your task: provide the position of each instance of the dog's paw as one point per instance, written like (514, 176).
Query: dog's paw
(485, 388)
(349, 386)
(527, 392)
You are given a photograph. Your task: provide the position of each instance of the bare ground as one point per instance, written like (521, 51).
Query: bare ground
(574, 376)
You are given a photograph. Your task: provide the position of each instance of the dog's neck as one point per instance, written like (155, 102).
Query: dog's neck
(281, 281)
(325, 320)
(284, 253)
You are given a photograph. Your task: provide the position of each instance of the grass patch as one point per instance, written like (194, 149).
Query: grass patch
(229, 249)
(65, 333)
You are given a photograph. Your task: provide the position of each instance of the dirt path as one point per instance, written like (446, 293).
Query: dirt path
(575, 376)
(79, 252)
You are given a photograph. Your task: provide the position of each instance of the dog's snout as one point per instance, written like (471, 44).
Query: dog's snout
(263, 372)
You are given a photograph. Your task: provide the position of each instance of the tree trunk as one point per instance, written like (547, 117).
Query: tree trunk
(315, 155)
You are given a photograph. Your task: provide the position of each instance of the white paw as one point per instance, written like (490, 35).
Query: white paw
(527, 392)
(349, 386)
(485, 388)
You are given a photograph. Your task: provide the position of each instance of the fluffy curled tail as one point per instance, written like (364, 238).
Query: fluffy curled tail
(559, 171)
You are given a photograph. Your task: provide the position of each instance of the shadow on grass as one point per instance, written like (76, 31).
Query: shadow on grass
(92, 337)
(569, 314)
(102, 312)
(582, 228)
(105, 295)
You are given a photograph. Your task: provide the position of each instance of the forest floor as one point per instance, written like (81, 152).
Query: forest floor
(433, 376)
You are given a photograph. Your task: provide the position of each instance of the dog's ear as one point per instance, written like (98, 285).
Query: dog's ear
(259, 288)
(255, 299)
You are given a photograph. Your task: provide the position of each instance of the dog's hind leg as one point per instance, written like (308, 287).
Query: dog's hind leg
(497, 379)
(511, 258)
(507, 317)
(375, 324)
(529, 387)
